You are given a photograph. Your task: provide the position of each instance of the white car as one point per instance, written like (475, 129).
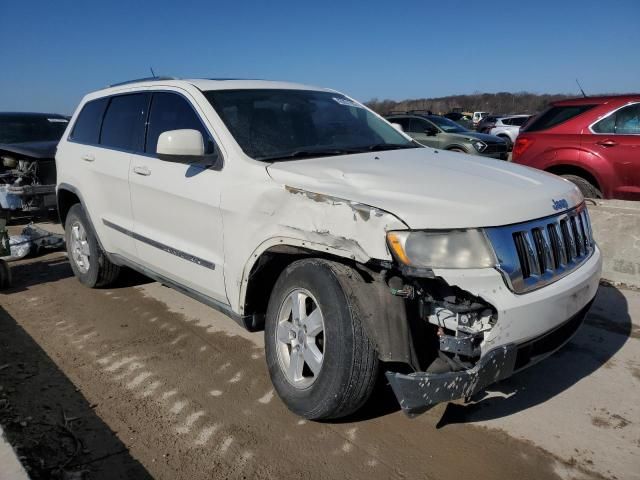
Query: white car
(298, 210)
(508, 128)
(477, 116)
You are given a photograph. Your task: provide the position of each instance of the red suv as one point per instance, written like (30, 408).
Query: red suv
(592, 141)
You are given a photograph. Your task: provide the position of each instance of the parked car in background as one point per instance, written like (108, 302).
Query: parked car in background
(477, 117)
(440, 132)
(508, 128)
(27, 166)
(592, 141)
(299, 210)
(487, 123)
(460, 118)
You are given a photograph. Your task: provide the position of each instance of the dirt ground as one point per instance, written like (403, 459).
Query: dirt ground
(115, 383)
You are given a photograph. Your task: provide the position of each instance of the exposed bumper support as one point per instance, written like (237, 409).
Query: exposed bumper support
(417, 392)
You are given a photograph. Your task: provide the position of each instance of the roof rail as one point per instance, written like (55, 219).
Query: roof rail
(145, 79)
(410, 112)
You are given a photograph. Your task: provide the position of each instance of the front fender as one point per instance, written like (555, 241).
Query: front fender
(284, 215)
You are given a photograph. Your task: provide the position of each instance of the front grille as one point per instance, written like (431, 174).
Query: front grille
(534, 254)
(495, 148)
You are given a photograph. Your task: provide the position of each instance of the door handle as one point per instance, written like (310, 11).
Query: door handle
(607, 143)
(88, 157)
(144, 171)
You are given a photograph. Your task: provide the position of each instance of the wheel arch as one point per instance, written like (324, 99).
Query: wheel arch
(386, 317)
(572, 169)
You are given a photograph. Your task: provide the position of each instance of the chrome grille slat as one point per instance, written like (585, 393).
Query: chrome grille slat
(534, 254)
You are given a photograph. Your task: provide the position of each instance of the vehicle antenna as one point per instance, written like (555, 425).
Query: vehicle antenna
(581, 90)
(153, 74)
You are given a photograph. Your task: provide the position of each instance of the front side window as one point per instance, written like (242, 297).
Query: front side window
(625, 121)
(23, 128)
(277, 124)
(170, 111)
(123, 125)
(419, 125)
(449, 126)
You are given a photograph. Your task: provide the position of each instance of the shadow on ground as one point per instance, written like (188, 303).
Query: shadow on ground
(49, 422)
(606, 329)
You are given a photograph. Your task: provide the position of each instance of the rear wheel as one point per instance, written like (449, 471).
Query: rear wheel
(88, 262)
(588, 189)
(321, 361)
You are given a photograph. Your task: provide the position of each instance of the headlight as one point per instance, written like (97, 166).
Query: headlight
(441, 249)
(478, 145)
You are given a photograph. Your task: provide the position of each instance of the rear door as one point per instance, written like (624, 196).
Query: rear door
(176, 207)
(617, 139)
(105, 135)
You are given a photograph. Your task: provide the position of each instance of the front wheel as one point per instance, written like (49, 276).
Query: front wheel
(321, 361)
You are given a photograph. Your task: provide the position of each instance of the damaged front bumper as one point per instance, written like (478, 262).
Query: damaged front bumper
(417, 392)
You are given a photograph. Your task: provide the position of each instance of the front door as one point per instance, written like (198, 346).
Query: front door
(424, 132)
(617, 140)
(176, 207)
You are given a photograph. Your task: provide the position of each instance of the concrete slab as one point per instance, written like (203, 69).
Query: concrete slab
(616, 228)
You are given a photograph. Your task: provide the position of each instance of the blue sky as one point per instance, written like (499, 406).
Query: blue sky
(53, 52)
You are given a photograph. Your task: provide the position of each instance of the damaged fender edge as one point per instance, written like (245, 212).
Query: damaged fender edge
(356, 253)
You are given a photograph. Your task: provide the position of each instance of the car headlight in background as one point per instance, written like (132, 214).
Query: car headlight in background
(479, 145)
(441, 249)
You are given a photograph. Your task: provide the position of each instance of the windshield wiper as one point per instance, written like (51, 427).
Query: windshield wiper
(298, 154)
(378, 147)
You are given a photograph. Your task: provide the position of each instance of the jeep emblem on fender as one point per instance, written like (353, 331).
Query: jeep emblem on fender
(560, 204)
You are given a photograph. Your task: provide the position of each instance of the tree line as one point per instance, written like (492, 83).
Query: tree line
(500, 103)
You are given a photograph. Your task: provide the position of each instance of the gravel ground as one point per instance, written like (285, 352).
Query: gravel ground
(138, 381)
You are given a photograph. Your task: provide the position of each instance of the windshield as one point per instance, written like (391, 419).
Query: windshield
(449, 126)
(31, 128)
(277, 124)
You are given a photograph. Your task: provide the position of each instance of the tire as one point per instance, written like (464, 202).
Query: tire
(507, 141)
(457, 149)
(349, 365)
(5, 275)
(588, 189)
(88, 262)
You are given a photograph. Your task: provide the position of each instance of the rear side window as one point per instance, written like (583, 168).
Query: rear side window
(123, 125)
(87, 126)
(554, 116)
(170, 111)
(519, 121)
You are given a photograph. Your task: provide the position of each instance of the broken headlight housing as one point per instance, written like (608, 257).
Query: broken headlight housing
(442, 249)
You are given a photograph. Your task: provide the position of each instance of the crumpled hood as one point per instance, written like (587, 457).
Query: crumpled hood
(428, 188)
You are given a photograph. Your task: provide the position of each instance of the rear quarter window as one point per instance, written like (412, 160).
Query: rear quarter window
(87, 126)
(554, 116)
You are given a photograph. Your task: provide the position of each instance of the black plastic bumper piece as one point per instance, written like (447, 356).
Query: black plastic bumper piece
(417, 392)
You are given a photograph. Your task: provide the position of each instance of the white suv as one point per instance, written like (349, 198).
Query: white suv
(298, 210)
(508, 128)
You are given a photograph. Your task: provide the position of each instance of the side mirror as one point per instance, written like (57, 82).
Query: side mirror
(182, 146)
(398, 127)
(431, 132)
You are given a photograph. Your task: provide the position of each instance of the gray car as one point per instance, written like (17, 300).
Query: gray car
(440, 132)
